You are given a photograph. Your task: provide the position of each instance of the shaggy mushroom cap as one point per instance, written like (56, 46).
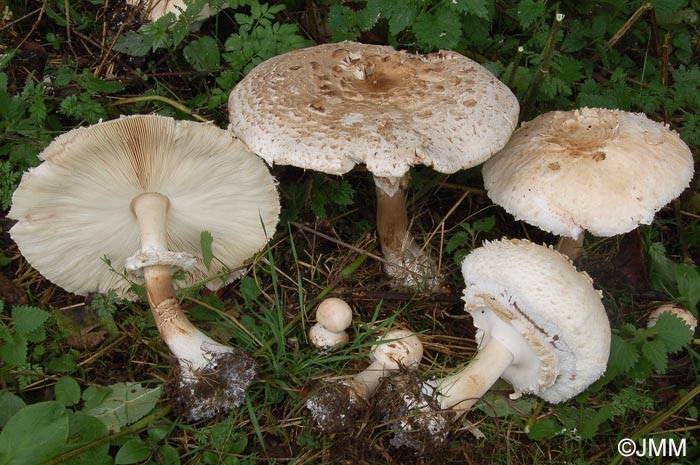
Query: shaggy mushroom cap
(75, 207)
(331, 106)
(605, 171)
(536, 292)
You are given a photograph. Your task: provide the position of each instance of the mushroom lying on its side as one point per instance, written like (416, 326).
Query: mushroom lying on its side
(335, 406)
(597, 170)
(540, 324)
(138, 191)
(332, 106)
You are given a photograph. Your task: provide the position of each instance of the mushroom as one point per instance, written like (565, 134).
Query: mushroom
(604, 171)
(540, 324)
(137, 192)
(333, 317)
(676, 310)
(332, 106)
(156, 9)
(336, 405)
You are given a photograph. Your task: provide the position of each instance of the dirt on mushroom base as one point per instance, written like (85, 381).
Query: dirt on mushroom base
(335, 407)
(218, 388)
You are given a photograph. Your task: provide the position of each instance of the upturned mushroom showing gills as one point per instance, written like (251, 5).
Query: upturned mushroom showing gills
(138, 191)
(540, 324)
(332, 106)
(603, 171)
(335, 406)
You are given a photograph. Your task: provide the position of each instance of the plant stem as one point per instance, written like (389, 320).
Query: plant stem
(160, 98)
(542, 71)
(139, 425)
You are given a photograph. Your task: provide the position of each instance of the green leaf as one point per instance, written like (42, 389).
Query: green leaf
(14, 349)
(662, 274)
(477, 8)
(206, 240)
(35, 434)
(399, 14)
(27, 319)
(249, 289)
(85, 429)
(132, 43)
(529, 11)
(168, 455)
(133, 451)
(440, 30)
(125, 404)
(544, 429)
(9, 405)
(203, 54)
(458, 239)
(673, 331)
(67, 391)
(688, 283)
(655, 353)
(623, 355)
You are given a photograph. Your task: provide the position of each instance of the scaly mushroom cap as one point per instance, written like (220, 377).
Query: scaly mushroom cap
(554, 307)
(74, 208)
(331, 106)
(399, 348)
(605, 171)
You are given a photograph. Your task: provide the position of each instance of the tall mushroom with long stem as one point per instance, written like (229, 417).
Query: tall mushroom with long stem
(591, 169)
(541, 326)
(332, 106)
(137, 192)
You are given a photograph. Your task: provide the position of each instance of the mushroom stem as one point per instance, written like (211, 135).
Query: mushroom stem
(407, 263)
(192, 347)
(366, 382)
(572, 248)
(463, 389)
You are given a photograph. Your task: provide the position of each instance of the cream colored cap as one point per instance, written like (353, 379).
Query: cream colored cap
(331, 106)
(554, 307)
(74, 208)
(605, 171)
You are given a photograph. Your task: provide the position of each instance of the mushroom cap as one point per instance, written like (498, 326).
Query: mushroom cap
(334, 314)
(329, 107)
(399, 348)
(554, 307)
(676, 310)
(74, 208)
(605, 171)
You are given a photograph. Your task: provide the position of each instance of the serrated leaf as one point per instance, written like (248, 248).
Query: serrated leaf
(125, 404)
(132, 43)
(673, 331)
(203, 54)
(134, 450)
(34, 434)
(656, 352)
(529, 11)
(14, 349)
(206, 240)
(662, 269)
(458, 239)
(477, 8)
(399, 14)
(440, 30)
(340, 192)
(249, 289)
(623, 355)
(27, 319)
(688, 283)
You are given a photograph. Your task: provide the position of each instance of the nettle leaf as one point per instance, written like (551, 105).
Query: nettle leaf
(655, 352)
(399, 14)
(688, 283)
(342, 22)
(673, 331)
(34, 434)
(477, 8)
(662, 274)
(440, 30)
(529, 11)
(203, 54)
(27, 319)
(544, 429)
(623, 355)
(132, 43)
(14, 349)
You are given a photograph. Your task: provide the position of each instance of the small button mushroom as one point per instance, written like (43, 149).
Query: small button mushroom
(333, 317)
(541, 326)
(336, 405)
(676, 310)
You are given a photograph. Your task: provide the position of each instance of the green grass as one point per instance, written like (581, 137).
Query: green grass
(102, 62)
